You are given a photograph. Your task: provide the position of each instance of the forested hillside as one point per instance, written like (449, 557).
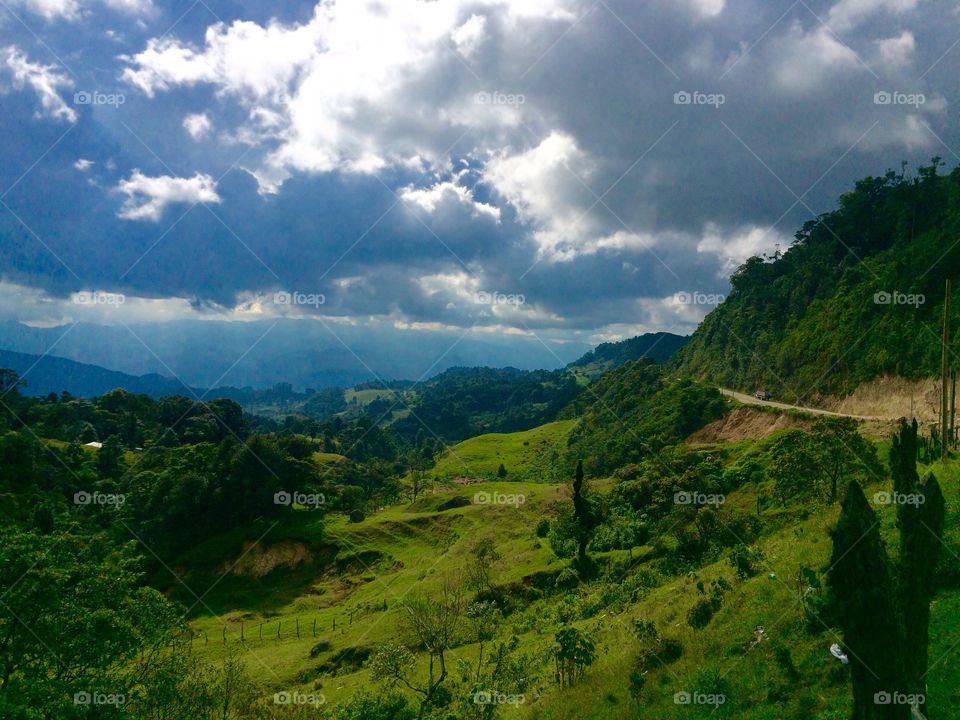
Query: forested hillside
(660, 347)
(858, 294)
(634, 412)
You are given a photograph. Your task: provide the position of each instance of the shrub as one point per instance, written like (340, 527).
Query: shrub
(742, 558)
(367, 706)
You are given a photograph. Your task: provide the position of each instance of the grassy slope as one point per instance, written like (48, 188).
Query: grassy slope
(523, 454)
(406, 549)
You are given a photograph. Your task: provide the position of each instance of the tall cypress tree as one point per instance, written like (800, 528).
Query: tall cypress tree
(863, 592)
(583, 515)
(920, 518)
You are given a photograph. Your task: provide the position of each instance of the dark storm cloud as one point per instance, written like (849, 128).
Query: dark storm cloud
(594, 158)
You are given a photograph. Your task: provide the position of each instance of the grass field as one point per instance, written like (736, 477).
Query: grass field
(357, 575)
(365, 397)
(525, 455)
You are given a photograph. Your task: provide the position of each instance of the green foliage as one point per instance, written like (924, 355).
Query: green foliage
(73, 620)
(789, 323)
(711, 601)
(659, 347)
(369, 706)
(634, 412)
(573, 652)
(744, 558)
(463, 402)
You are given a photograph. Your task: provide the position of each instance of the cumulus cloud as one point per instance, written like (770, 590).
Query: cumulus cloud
(846, 14)
(468, 37)
(45, 80)
(546, 185)
(810, 59)
(197, 125)
(445, 195)
(343, 91)
(74, 10)
(83, 164)
(534, 145)
(148, 197)
(745, 243)
(898, 50)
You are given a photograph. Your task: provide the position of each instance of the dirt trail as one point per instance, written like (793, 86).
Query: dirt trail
(751, 400)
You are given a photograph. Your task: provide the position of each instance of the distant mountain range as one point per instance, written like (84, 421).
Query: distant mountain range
(49, 374)
(303, 353)
(44, 374)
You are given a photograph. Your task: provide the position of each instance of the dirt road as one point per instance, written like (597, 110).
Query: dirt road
(751, 400)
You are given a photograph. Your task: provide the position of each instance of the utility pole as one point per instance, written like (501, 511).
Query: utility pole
(953, 405)
(944, 372)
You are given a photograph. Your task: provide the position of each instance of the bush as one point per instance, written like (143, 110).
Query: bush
(366, 706)
(567, 579)
(700, 614)
(742, 558)
(543, 528)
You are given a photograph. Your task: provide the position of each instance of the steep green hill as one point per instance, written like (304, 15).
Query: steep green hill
(635, 411)
(858, 294)
(660, 347)
(530, 455)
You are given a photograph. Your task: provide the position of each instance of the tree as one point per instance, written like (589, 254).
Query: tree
(110, 457)
(501, 471)
(794, 466)
(9, 381)
(920, 518)
(482, 557)
(841, 449)
(74, 619)
(863, 594)
(434, 624)
(573, 652)
(482, 620)
(584, 515)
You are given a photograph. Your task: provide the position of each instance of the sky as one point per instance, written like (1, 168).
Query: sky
(567, 169)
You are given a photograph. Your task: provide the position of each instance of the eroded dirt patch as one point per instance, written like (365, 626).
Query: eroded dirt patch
(259, 560)
(746, 422)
